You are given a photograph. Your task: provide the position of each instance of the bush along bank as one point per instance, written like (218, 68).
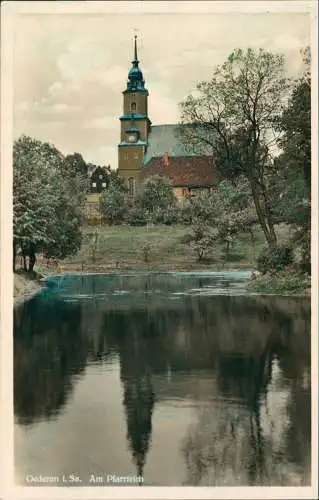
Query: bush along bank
(287, 281)
(279, 273)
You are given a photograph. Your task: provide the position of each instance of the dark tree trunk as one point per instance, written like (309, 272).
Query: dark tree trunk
(32, 257)
(266, 224)
(14, 255)
(307, 177)
(24, 256)
(24, 251)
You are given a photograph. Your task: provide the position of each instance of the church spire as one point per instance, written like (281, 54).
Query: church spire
(136, 61)
(135, 75)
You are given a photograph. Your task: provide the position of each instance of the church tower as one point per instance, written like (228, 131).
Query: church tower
(135, 126)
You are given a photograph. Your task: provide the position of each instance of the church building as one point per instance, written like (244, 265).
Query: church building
(146, 150)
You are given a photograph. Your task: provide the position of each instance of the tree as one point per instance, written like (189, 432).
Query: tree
(156, 194)
(233, 116)
(47, 205)
(74, 165)
(116, 181)
(295, 123)
(202, 239)
(291, 181)
(221, 216)
(112, 204)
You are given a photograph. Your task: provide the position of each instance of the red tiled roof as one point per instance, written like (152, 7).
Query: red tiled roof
(183, 170)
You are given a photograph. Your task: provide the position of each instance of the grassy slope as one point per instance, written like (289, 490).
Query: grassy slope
(122, 247)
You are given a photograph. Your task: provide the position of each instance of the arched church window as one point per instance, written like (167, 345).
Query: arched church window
(133, 106)
(131, 186)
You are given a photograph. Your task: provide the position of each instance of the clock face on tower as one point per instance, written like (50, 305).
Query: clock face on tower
(132, 137)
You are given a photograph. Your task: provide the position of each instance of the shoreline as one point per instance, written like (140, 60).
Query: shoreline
(26, 287)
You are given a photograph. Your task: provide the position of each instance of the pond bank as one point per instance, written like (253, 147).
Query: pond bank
(285, 282)
(25, 286)
(184, 267)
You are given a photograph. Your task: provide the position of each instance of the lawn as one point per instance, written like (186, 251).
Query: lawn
(167, 248)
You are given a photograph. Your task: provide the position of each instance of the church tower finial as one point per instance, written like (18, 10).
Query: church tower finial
(135, 76)
(135, 51)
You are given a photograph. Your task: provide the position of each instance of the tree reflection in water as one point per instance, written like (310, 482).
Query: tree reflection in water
(246, 345)
(48, 351)
(228, 445)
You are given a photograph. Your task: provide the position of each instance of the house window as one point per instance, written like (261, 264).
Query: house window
(125, 156)
(94, 184)
(136, 156)
(131, 186)
(100, 176)
(133, 107)
(103, 184)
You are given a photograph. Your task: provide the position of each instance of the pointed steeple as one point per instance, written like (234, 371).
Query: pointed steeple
(136, 61)
(135, 75)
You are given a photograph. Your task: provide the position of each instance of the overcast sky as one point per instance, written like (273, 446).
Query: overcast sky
(70, 69)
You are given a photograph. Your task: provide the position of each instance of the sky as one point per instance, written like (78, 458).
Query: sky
(69, 69)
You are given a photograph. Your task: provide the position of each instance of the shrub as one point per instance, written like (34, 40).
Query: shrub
(202, 240)
(166, 216)
(156, 193)
(274, 259)
(112, 205)
(302, 241)
(286, 281)
(185, 213)
(137, 216)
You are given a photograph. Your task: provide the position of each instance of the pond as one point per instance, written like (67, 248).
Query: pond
(161, 379)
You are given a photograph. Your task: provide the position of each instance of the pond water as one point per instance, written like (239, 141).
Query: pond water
(178, 378)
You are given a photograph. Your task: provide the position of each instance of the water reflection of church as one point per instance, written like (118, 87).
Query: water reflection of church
(155, 361)
(232, 365)
(229, 359)
(138, 400)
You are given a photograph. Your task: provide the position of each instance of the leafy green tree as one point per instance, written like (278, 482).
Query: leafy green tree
(34, 193)
(295, 123)
(292, 182)
(116, 181)
(47, 205)
(113, 204)
(74, 165)
(221, 216)
(136, 216)
(156, 194)
(233, 116)
(203, 238)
